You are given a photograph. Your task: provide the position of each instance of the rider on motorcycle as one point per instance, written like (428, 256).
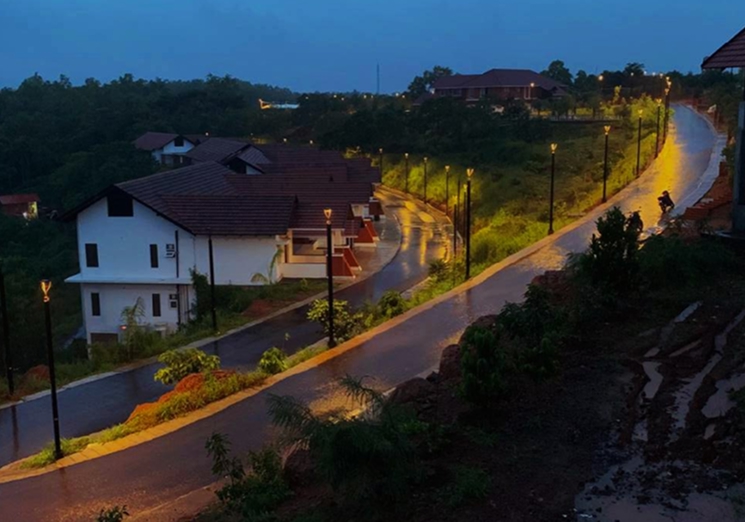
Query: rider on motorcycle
(665, 201)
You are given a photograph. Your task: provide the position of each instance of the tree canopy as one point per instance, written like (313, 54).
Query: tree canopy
(557, 71)
(421, 84)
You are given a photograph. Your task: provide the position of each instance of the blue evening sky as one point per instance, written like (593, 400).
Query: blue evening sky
(326, 45)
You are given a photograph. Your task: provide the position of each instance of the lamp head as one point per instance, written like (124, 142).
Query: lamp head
(406, 155)
(425, 159)
(447, 168)
(607, 129)
(46, 286)
(327, 213)
(532, 84)
(380, 150)
(554, 146)
(469, 173)
(641, 111)
(600, 78)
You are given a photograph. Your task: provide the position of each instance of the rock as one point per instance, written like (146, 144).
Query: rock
(433, 377)
(299, 469)
(414, 391)
(450, 364)
(485, 321)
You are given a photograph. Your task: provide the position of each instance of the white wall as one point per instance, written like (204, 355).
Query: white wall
(304, 270)
(170, 148)
(237, 259)
(124, 243)
(114, 298)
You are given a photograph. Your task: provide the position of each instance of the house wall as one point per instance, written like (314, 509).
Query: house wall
(237, 260)
(170, 148)
(114, 298)
(124, 243)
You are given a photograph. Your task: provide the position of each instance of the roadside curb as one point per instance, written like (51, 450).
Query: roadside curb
(208, 340)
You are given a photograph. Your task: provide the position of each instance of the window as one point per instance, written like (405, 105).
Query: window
(179, 141)
(95, 304)
(120, 205)
(156, 305)
(91, 255)
(153, 256)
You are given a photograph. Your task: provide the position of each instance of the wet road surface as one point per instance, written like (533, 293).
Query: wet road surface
(164, 469)
(85, 409)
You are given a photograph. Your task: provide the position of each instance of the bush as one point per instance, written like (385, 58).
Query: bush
(612, 258)
(250, 495)
(391, 304)
(438, 269)
(470, 484)
(369, 460)
(115, 514)
(346, 323)
(273, 361)
(180, 363)
(483, 366)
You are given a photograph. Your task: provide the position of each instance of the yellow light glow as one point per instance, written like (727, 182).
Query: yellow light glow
(641, 111)
(469, 173)
(447, 168)
(46, 286)
(406, 155)
(607, 129)
(600, 78)
(425, 159)
(327, 213)
(532, 84)
(554, 146)
(380, 150)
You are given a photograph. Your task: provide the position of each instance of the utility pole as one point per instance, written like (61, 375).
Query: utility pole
(46, 285)
(6, 333)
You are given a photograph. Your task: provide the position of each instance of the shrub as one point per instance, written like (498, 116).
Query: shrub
(346, 323)
(180, 363)
(391, 304)
(483, 366)
(438, 269)
(612, 258)
(273, 361)
(251, 495)
(115, 514)
(369, 460)
(470, 484)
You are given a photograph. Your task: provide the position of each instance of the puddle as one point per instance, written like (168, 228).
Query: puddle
(686, 348)
(667, 330)
(685, 314)
(652, 352)
(655, 380)
(711, 429)
(685, 394)
(720, 403)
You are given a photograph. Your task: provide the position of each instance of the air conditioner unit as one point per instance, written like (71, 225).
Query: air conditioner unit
(170, 250)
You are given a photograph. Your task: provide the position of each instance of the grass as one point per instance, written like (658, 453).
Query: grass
(175, 405)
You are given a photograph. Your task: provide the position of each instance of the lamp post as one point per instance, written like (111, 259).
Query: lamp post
(447, 190)
(330, 275)
(456, 216)
(46, 286)
(605, 164)
(639, 144)
(6, 333)
(469, 173)
(554, 146)
(425, 180)
(657, 135)
(667, 112)
(212, 284)
(380, 161)
(406, 170)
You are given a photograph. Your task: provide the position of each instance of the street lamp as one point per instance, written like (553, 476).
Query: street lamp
(469, 173)
(46, 286)
(456, 220)
(554, 146)
(447, 190)
(667, 112)
(605, 164)
(532, 86)
(330, 275)
(380, 161)
(212, 282)
(425, 180)
(639, 144)
(657, 136)
(6, 333)
(406, 171)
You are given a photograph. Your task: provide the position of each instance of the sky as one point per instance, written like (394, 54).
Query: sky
(334, 45)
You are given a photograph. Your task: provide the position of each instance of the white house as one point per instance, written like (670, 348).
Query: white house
(168, 148)
(142, 239)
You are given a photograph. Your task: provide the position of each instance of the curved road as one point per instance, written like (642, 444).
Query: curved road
(87, 408)
(164, 469)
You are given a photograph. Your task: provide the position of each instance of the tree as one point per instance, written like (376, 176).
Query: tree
(634, 69)
(557, 71)
(421, 84)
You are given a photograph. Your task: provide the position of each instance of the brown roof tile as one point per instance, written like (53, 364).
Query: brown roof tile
(216, 149)
(731, 54)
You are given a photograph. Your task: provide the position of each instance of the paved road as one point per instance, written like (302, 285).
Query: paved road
(87, 408)
(164, 469)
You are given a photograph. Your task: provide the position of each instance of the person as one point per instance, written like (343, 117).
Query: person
(666, 202)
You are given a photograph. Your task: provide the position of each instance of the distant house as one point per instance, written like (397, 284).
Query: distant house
(21, 205)
(497, 85)
(168, 148)
(238, 156)
(142, 238)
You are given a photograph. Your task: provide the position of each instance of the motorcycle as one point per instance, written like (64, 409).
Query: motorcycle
(665, 202)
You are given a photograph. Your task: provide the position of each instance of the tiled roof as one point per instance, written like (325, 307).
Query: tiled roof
(258, 215)
(253, 156)
(216, 149)
(283, 153)
(302, 188)
(309, 216)
(498, 78)
(323, 172)
(155, 140)
(361, 170)
(18, 199)
(731, 54)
